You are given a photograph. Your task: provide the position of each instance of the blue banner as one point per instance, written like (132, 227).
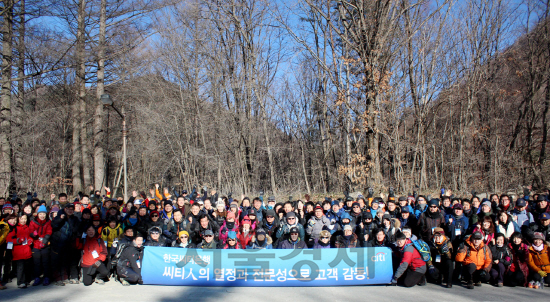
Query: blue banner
(308, 267)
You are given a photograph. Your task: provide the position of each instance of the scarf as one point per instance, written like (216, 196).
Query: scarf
(538, 249)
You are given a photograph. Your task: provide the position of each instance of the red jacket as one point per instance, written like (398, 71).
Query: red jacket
(41, 231)
(88, 246)
(21, 249)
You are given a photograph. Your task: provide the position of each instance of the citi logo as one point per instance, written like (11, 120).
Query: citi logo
(381, 256)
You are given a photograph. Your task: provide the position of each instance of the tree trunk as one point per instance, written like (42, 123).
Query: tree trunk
(80, 154)
(99, 153)
(5, 110)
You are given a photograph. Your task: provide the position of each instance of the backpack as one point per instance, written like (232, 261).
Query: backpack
(423, 249)
(116, 256)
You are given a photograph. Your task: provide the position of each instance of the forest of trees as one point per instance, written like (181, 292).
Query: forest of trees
(289, 97)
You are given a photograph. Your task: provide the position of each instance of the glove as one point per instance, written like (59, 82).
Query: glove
(34, 234)
(35, 195)
(97, 264)
(166, 233)
(312, 222)
(431, 269)
(393, 282)
(2, 226)
(483, 274)
(261, 193)
(543, 274)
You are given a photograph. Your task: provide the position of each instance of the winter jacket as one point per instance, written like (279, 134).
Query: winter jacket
(507, 229)
(441, 251)
(342, 242)
(131, 257)
(523, 218)
(539, 261)
(410, 259)
(4, 231)
(520, 259)
(22, 242)
(208, 246)
(225, 229)
(316, 225)
(318, 245)
(189, 245)
(503, 254)
(64, 231)
(429, 221)
(284, 231)
(245, 239)
(480, 256)
(41, 232)
(255, 245)
(109, 235)
(289, 244)
(88, 245)
(174, 228)
(456, 230)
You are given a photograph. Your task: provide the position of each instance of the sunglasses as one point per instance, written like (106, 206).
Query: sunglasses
(207, 235)
(291, 218)
(155, 216)
(433, 207)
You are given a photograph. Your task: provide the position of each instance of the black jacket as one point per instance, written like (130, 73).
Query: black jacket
(130, 257)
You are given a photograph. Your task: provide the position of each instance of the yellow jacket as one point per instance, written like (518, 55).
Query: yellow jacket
(108, 234)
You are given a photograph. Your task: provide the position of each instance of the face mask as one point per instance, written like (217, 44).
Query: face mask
(133, 220)
(270, 207)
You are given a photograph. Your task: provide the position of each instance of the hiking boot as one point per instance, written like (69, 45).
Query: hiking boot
(2, 287)
(478, 283)
(537, 285)
(470, 285)
(67, 281)
(124, 282)
(74, 281)
(449, 285)
(22, 285)
(60, 283)
(37, 282)
(46, 281)
(500, 284)
(531, 284)
(100, 282)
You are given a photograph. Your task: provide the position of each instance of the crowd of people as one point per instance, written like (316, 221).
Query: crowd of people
(446, 240)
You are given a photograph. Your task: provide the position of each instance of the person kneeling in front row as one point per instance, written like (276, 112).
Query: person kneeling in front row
(129, 263)
(412, 269)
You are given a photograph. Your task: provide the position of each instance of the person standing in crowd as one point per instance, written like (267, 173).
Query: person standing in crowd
(317, 223)
(41, 232)
(64, 256)
(429, 220)
(476, 260)
(21, 241)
